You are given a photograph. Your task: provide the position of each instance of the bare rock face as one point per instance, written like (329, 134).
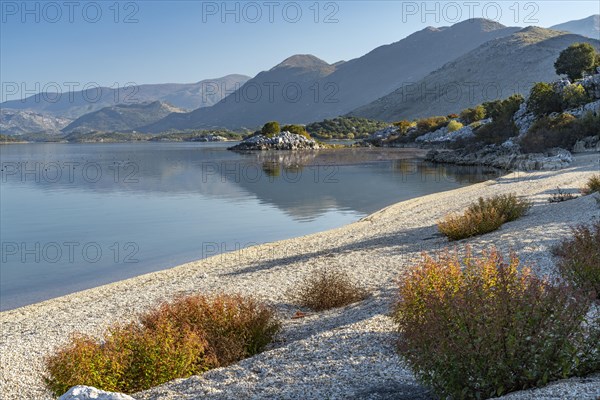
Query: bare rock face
(283, 141)
(506, 156)
(91, 393)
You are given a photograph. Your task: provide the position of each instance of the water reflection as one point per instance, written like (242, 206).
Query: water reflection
(172, 201)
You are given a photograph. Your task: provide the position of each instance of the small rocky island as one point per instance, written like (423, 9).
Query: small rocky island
(274, 137)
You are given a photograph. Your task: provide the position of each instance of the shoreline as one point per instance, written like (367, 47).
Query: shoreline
(372, 250)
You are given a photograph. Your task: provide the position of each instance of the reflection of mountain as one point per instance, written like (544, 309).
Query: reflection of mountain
(302, 185)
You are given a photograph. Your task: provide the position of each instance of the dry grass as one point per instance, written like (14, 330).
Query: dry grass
(326, 289)
(482, 217)
(592, 185)
(479, 327)
(175, 340)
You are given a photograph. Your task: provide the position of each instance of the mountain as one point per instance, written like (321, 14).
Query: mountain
(494, 70)
(589, 27)
(19, 122)
(122, 117)
(327, 91)
(73, 105)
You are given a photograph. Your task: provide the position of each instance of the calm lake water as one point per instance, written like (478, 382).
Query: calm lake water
(75, 216)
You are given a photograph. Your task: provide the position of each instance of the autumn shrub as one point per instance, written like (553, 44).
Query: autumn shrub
(327, 288)
(478, 327)
(431, 124)
(579, 258)
(482, 217)
(175, 340)
(454, 125)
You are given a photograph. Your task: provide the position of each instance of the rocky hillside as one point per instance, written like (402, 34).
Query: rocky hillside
(494, 70)
(589, 27)
(19, 122)
(122, 117)
(188, 96)
(327, 91)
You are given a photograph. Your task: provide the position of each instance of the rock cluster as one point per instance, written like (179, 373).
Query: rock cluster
(506, 156)
(91, 393)
(588, 144)
(283, 141)
(382, 134)
(210, 138)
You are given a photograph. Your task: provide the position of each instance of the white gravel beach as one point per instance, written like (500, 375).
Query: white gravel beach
(340, 354)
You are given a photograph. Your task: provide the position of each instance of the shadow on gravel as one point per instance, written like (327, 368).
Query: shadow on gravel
(395, 391)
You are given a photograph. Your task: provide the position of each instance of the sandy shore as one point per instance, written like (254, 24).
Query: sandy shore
(346, 353)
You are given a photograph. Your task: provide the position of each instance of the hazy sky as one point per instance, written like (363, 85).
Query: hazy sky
(114, 43)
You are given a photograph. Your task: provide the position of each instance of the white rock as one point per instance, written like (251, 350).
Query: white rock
(89, 393)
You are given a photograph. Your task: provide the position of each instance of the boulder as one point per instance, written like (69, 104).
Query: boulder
(89, 393)
(523, 119)
(589, 144)
(283, 141)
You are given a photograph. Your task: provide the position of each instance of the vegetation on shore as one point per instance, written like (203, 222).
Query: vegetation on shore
(326, 289)
(478, 327)
(482, 217)
(175, 340)
(345, 128)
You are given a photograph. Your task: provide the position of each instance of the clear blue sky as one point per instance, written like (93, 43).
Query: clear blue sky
(187, 41)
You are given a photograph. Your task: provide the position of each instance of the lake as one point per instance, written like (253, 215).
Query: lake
(75, 216)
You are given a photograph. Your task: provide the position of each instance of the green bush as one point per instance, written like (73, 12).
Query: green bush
(482, 217)
(574, 96)
(454, 125)
(271, 129)
(326, 289)
(471, 115)
(478, 327)
(543, 99)
(296, 129)
(175, 340)
(502, 126)
(404, 126)
(579, 259)
(575, 60)
(345, 128)
(562, 131)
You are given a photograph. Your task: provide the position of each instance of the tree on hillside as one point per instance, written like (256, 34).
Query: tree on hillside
(270, 129)
(575, 60)
(543, 99)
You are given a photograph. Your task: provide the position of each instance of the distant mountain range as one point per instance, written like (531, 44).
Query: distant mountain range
(494, 70)
(317, 90)
(405, 79)
(122, 117)
(188, 96)
(589, 27)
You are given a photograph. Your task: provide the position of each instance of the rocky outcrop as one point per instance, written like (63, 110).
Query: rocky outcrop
(209, 138)
(283, 141)
(506, 156)
(523, 119)
(91, 393)
(589, 144)
(443, 135)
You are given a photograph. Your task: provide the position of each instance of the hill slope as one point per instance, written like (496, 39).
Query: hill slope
(330, 90)
(494, 70)
(589, 27)
(122, 117)
(73, 105)
(19, 122)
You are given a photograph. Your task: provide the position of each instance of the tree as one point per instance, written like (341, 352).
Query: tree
(575, 60)
(296, 129)
(543, 99)
(271, 129)
(574, 96)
